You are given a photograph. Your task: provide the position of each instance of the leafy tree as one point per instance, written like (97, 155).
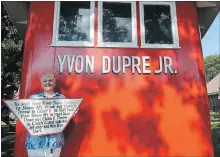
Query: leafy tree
(11, 52)
(11, 63)
(212, 66)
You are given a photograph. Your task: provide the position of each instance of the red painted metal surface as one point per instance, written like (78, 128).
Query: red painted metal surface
(131, 115)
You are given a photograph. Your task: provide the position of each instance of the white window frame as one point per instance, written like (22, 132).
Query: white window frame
(132, 44)
(173, 22)
(56, 42)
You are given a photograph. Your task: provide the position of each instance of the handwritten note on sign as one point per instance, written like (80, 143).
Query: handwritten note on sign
(47, 116)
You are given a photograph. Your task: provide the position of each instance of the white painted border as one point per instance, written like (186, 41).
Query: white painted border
(132, 44)
(174, 26)
(56, 42)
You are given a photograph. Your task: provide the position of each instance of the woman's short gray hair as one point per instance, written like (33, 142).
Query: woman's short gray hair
(47, 75)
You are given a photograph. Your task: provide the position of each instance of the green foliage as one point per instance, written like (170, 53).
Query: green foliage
(212, 66)
(11, 53)
(216, 134)
(215, 125)
(214, 115)
(216, 140)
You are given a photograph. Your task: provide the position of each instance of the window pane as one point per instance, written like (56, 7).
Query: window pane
(74, 22)
(157, 22)
(117, 24)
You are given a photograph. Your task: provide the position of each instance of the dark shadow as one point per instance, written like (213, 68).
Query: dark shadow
(7, 149)
(7, 138)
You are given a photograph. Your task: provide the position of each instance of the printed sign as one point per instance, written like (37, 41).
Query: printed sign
(47, 116)
(117, 64)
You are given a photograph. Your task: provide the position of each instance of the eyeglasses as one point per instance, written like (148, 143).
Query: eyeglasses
(49, 80)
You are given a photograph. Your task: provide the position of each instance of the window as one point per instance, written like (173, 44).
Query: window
(158, 25)
(73, 24)
(117, 24)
